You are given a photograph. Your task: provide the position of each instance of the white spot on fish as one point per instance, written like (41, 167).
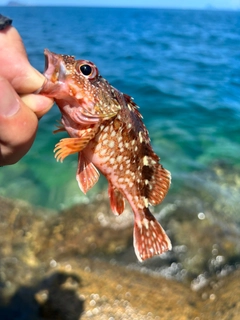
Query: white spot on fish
(145, 161)
(111, 144)
(102, 152)
(152, 223)
(105, 142)
(111, 154)
(145, 200)
(119, 158)
(98, 147)
(113, 133)
(145, 222)
(105, 129)
(130, 184)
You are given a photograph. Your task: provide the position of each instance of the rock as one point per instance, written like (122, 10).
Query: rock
(63, 266)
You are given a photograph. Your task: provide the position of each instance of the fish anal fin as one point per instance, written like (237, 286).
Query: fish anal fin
(116, 200)
(149, 237)
(87, 174)
(160, 185)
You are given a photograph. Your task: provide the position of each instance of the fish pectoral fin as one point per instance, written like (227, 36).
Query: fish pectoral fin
(68, 146)
(87, 174)
(149, 237)
(116, 200)
(160, 185)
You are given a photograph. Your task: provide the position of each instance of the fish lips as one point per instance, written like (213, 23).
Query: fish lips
(55, 70)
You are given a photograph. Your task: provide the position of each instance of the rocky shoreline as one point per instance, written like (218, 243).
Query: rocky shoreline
(79, 264)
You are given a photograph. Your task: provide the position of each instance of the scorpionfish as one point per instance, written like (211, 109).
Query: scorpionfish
(107, 132)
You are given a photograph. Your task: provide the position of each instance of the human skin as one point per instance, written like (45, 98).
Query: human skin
(20, 108)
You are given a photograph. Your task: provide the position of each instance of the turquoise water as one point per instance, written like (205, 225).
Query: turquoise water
(181, 67)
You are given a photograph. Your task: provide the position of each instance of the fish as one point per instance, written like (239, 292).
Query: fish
(107, 132)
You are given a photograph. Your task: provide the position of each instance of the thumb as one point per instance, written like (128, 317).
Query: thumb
(15, 66)
(18, 125)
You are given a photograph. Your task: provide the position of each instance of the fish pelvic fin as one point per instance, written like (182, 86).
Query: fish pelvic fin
(116, 200)
(149, 238)
(87, 174)
(60, 127)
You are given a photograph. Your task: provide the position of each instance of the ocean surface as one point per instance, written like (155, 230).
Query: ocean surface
(183, 69)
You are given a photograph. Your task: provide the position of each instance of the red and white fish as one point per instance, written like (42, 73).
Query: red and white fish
(107, 132)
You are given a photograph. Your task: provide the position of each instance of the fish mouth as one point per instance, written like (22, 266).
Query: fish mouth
(54, 67)
(46, 53)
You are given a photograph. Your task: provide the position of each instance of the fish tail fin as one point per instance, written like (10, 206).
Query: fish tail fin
(149, 237)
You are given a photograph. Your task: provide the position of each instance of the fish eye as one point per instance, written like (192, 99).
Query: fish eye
(86, 69)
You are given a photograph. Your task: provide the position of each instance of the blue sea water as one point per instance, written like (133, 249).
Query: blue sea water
(183, 69)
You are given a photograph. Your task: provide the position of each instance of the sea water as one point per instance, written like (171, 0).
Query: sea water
(182, 67)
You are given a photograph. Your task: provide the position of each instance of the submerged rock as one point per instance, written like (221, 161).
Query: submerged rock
(66, 266)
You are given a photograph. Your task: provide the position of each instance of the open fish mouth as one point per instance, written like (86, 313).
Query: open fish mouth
(46, 52)
(54, 67)
(55, 73)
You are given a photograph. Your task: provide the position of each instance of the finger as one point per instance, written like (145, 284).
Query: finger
(37, 103)
(18, 125)
(15, 66)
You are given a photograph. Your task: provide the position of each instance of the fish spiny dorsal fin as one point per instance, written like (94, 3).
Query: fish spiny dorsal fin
(131, 104)
(149, 237)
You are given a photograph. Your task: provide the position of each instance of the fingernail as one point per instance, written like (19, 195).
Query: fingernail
(9, 104)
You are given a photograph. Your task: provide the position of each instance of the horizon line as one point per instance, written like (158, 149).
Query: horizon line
(206, 8)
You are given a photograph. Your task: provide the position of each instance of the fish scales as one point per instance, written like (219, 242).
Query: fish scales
(107, 131)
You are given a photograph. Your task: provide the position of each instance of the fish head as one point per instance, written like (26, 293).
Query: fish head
(80, 90)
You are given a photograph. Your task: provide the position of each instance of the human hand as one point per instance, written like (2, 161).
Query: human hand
(20, 108)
